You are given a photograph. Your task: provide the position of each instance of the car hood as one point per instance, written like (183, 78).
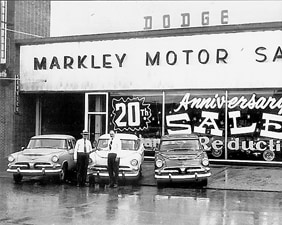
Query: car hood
(181, 155)
(122, 154)
(40, 152)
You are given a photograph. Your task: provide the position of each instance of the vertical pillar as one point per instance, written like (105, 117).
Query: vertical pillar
(38, 116)
(86, 112)
(163, 116)
(226, 124)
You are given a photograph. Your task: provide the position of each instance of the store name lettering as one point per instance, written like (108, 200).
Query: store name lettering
(171, 58)
(186, 20)
(80, 62)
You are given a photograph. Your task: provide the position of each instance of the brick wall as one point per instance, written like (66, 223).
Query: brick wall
(31, 17)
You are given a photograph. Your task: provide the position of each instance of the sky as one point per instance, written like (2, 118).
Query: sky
(92, 17)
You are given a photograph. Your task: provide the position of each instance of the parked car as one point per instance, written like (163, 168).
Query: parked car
(181, 158)
(45, 155)
(131, 159)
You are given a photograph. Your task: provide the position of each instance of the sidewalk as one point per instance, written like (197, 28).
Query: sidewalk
(225, 177)
(231, 177)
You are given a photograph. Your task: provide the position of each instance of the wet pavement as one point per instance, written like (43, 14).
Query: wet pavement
(32, 203)
(227, 177)
(237, 195)
(231, 177)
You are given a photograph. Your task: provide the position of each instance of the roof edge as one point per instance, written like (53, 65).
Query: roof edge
(188, 31)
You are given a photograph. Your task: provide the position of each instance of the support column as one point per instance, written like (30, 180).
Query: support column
(38, 116)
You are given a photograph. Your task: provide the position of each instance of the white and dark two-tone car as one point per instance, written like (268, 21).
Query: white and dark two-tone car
(181, 158)
(131, 159)
(45, 155)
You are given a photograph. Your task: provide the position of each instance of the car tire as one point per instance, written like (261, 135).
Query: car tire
(91, 180)
(17, 178)
(160, 185)
(64, 174)
(62, 177)
(204, 182)
(140, 173)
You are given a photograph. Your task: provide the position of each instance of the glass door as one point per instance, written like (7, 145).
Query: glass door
(96, 114)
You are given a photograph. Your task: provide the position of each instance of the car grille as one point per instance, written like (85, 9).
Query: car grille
(103, 167)
(40, 165)
(26, 165)
(22, 165)
(182, 170)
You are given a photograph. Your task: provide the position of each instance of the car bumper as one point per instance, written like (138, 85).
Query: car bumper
(104, 175)
(35, 172)
(192, 176)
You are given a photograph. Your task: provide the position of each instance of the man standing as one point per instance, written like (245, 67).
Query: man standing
(113, 159)
(81, 156)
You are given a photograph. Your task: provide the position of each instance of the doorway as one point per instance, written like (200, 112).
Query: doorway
(96, 114)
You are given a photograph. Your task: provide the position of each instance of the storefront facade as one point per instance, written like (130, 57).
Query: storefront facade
(220, 82)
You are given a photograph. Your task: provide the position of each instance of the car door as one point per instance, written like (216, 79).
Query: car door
(71, 145)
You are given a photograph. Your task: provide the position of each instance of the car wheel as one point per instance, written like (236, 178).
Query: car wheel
(91, 180)
(17, 178)
(204, 182)
(140, 173)
(160, 184)
(268, 155)
(62, 177)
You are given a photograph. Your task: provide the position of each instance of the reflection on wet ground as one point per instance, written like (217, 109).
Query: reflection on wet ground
(33, 202)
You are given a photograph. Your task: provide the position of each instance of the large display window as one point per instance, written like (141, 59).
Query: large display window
(200, 112)
(139, 113)
(254, 125)
(232, 124)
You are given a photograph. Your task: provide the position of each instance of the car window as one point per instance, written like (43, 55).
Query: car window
(126, 144)
(47, 143)
(102, 144)
(70, 144)
(129, 145)
(172, 145)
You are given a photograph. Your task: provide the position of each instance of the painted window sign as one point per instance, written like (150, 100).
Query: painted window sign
(130, 114)
(272, 122)
(246, 126)
(254, 122)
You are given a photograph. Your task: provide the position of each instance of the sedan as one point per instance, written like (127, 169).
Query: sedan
(45, 155)
(131, 159)
(181, 158)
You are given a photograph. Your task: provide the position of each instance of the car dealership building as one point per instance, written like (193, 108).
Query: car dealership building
(221, 81)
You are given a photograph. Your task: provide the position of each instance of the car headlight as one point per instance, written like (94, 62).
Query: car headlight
(55, 158)
(159, 163)
(205, 161)
(11, 158)
(134, 162)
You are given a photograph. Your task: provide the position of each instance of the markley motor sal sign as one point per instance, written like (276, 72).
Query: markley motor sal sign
(255, 122)
(130, 114)
(97, 65)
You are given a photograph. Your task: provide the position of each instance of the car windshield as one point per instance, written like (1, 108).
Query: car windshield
(180, 145)
(47, 143)
(126, 144)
